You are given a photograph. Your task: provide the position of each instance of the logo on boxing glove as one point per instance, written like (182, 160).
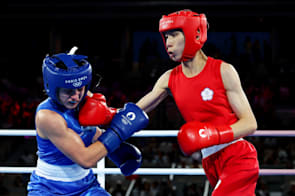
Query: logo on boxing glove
(130, 116)
(202, 133)
(205, 133)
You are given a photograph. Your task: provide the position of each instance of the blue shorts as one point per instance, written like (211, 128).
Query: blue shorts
(87, 186)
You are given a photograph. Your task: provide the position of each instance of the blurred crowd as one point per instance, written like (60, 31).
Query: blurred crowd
(268, 87)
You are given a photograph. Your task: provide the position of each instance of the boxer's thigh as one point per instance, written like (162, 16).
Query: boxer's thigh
(240, 173)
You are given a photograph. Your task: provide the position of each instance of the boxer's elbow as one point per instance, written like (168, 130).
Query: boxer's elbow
(244, 127)
(86, 163)
(88, 160)
(252, 126)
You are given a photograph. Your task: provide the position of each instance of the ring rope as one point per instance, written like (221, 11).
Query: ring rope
(153, 171)
(155, 133)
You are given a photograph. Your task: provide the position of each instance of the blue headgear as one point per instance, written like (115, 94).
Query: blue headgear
(65, 71)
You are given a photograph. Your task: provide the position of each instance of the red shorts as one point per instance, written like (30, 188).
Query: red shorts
(234, 170)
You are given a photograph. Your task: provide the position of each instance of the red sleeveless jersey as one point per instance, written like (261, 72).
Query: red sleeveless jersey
(202, 97)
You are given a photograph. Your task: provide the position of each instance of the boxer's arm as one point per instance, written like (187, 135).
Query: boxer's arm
(52, 126)
(156, 95)
(97, 134)
(246, 123)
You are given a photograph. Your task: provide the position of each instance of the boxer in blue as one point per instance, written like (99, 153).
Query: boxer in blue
(66, 150)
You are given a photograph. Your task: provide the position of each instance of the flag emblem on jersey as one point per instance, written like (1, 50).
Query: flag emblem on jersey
(207, 94)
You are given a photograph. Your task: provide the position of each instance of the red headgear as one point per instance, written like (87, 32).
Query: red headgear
(194, 27)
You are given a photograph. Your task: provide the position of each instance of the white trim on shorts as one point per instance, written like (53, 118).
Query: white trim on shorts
(213, 149)
(64, 173)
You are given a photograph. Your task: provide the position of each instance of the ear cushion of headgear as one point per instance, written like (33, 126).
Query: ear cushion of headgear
(203, 29)
(195, 30)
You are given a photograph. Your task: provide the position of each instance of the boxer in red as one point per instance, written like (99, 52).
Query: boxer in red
(209, 95)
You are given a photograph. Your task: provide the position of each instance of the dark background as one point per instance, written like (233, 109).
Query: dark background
(122, 42)
(105, 31)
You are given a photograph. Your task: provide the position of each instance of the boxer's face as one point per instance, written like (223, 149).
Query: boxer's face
(70, 98)
(175, 43)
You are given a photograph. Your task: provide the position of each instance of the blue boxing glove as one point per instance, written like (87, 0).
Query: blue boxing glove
(127, 157)
(127, 121)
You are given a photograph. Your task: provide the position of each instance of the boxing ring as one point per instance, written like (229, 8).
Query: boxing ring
(101, 170)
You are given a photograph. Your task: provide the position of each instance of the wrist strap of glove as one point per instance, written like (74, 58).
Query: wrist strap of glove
(111, 140)
(226, 134)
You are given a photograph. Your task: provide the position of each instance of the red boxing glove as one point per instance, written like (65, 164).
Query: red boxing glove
(194, 136)
(95, 111)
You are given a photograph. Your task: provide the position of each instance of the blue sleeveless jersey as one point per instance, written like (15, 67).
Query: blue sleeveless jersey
(55, 173)
(47, 151)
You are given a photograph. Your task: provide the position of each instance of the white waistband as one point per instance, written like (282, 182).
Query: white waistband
(65, 173)
(212, 149)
